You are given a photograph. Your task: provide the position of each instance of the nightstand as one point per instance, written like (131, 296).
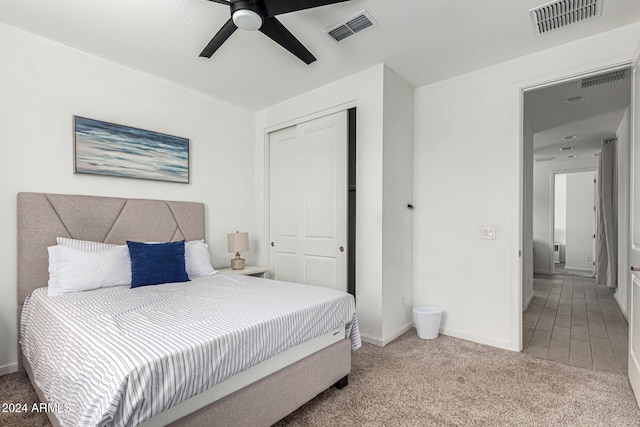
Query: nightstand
(248, 270)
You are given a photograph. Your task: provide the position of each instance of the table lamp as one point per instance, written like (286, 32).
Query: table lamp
(238, 242)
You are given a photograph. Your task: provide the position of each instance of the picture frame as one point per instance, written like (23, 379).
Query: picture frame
(103, 148)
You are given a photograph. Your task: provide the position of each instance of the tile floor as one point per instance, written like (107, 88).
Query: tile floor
(574, 321)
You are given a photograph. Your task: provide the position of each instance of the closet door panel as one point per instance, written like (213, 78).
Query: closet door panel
(308, 202)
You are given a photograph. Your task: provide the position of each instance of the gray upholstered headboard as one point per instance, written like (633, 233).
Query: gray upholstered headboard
(43, 217)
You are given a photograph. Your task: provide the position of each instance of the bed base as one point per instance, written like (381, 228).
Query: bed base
(269, 400)
(26, 367)
(261, 371)
(266, 401)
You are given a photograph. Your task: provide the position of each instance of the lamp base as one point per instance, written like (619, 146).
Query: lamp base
(237, 263)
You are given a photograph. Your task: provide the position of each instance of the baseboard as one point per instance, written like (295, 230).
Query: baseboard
(623, 310)
(528, 302)
(371, 340)
(381, 342)
(633, 373)
(580, 269)
(395, 334)
(545, 272)
(506, 345)
(8, 369)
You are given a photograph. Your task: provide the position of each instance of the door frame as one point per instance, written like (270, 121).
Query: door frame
(633, 365)
(552, 213)
(349, 109)
(266, 169)
(519, 90)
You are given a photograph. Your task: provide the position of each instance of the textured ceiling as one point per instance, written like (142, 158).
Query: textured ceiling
(423, 41)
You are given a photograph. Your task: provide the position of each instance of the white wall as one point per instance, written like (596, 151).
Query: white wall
(463, 181)
(580, 221)
(560, 210)
(542, 264)
(397, 218)
(43, 84)
(623, 152)
(543, 185)
(467, 175)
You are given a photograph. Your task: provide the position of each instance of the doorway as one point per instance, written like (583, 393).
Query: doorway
(574, 223)
(564, 126)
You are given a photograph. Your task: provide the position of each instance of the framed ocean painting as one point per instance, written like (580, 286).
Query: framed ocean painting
(103, 148)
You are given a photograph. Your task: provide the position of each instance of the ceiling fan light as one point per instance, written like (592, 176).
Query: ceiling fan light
(247, 19)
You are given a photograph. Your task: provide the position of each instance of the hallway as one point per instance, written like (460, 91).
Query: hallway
(574, 321)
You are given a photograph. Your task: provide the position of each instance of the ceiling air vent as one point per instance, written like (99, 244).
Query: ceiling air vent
(350, 26)
(559, 14)
(544, 159)
(603, 79)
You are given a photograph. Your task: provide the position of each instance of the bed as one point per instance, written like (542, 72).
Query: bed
(279, 377)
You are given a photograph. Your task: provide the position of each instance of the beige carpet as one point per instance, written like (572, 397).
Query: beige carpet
(444, 382)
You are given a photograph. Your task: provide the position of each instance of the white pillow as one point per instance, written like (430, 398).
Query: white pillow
(76, 270)
(86, 245)
(197, 261)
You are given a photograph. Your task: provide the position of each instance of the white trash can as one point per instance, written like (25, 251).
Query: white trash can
(427, 321)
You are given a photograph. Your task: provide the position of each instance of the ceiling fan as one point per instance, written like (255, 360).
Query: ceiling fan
(260, 15)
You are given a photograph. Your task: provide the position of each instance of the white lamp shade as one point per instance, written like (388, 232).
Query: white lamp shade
(238, 242)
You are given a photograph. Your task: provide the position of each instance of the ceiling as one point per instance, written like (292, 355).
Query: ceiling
(582, 125)
(424, 41)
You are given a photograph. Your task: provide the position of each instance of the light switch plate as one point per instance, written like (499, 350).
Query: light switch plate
(489, 233)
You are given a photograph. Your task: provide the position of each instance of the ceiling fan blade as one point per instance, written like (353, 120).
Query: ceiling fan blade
(221, 36)
(277, 32)
(277, 7)
(225, 2)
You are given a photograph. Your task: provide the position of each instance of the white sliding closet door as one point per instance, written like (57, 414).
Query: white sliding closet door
(308, 202)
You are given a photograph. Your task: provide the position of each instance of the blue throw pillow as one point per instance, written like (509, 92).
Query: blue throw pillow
(155, 263)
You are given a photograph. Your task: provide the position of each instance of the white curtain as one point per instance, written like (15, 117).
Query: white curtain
(606, 241)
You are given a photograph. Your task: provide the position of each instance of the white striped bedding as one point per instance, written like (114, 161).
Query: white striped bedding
(117, 356)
